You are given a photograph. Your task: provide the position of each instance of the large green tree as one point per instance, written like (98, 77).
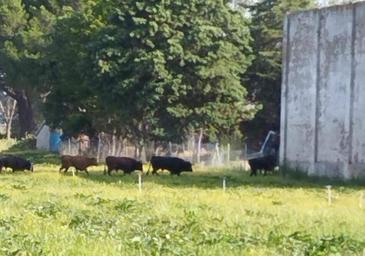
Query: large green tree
(71, 103)
(152, 69)
(17, 55)
(24, 40)
(263, 77)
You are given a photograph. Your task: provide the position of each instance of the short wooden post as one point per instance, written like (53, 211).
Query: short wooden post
(224, 184)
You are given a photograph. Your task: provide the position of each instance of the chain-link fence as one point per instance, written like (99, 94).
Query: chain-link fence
(106, 145)
(210, 154)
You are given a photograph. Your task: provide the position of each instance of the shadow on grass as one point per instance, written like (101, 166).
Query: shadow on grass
(214, 179)
(35, 156)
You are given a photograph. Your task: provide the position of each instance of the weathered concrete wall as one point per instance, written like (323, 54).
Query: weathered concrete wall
(323, 91)
(43, 138)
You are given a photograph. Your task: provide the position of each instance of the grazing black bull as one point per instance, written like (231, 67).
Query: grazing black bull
(266, 163)
(81, 163)
(126, 164)
(15, 163)
(173, 164)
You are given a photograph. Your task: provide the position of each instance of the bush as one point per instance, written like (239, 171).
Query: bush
(24, 144)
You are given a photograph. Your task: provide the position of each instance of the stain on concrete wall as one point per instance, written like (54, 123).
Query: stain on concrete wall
(323, 91)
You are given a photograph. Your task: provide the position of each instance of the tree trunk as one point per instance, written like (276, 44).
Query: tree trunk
(193, 149)
(124, 146)
(8, 108)
(25, 111)
(119, 147)
(8, 130)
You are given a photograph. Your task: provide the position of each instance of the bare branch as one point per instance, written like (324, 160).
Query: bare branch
(2, 108)
(7, 90)
(8, 107)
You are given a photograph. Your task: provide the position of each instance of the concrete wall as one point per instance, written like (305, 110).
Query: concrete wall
(323, 92)
(43, 138)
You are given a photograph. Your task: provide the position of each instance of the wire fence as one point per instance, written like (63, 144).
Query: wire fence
(210, 154)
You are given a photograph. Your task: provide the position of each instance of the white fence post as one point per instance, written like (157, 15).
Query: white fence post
(140, 182)
(329, 194)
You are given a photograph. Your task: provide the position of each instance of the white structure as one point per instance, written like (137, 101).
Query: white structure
(42, 136)
(323, 92)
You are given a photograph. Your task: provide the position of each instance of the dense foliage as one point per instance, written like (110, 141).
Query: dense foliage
(145, 69)
(151, 69)
(25, 27)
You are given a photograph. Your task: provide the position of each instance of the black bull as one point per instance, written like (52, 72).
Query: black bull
(173, 164)
(266, 163)
(126, 164)
(15, 163)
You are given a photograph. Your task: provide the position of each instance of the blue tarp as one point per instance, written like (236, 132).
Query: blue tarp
(55, 141)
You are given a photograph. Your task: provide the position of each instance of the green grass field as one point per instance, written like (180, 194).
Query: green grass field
(47, 213)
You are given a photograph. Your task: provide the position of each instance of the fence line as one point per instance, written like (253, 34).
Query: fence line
(212, 154)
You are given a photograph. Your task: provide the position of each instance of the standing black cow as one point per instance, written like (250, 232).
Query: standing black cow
(15, 163)
(266, 163)
(173, 164)
(126, 164)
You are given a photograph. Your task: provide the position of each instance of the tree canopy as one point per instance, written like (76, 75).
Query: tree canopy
(153, 70)
(145, 70)
(25, 27)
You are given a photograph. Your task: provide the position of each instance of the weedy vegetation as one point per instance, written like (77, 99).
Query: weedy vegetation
(47, 213)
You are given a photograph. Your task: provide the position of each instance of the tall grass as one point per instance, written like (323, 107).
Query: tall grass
(47, 213)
